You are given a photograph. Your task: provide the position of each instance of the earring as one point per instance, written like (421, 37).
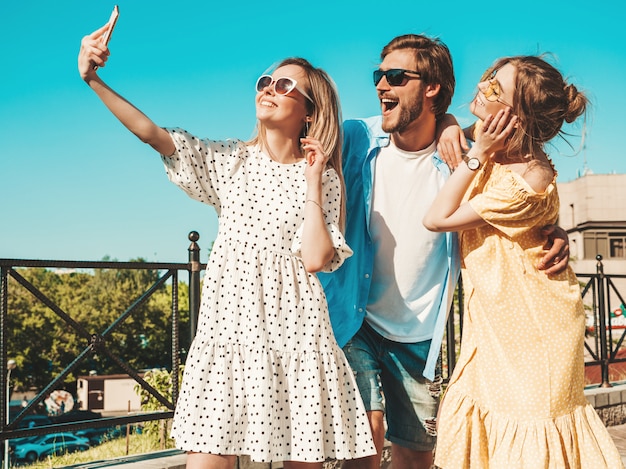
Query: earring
(306, 128)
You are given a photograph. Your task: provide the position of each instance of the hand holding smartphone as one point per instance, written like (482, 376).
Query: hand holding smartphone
(106, 37)
(112, 20)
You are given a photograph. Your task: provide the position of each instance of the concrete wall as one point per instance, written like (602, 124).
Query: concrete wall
(594, 203)
(594, 197)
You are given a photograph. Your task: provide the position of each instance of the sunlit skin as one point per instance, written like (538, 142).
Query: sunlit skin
(402, 107)
(496, 124)
(481, 107)
(452, 140)
(283, 115)
(492, 131)
(448, 213)
(538, 173)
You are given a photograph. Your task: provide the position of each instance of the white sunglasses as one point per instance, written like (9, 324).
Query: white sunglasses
(282, 85)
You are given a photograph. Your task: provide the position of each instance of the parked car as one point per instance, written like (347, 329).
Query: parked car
(47, 445)
(95, 435)
(28, 421)
(99, 435)
(34, 420)
(103, 434)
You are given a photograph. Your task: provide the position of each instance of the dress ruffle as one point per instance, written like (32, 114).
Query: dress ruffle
(471, 437)
(342, 250)
(300, 393)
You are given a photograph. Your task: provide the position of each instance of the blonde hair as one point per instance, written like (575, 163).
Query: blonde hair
(543, 101)
(325, 114)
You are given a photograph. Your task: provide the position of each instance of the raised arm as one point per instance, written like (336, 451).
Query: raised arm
(317, 245)
(448, 213)
(94, 52)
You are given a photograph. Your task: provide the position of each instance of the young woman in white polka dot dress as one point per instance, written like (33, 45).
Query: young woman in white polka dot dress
(264, 376)
(515, 399)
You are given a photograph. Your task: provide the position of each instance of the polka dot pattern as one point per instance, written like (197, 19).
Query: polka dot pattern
(516, 398)
(264, 376)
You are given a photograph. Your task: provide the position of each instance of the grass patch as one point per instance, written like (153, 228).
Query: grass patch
(115, 448)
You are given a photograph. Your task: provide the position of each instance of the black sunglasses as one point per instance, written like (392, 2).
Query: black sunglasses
(395, 76)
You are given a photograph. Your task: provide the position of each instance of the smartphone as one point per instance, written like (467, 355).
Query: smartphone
(107, 34)
(112, 20)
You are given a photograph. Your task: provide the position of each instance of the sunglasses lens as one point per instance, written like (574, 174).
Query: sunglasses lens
(263, 82)
(378, 75)
(492, 92)
(395, 77)
(284, 85)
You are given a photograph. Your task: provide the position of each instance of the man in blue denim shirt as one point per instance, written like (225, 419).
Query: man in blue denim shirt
(389, 301)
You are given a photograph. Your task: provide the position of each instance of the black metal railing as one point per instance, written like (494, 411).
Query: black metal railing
(97, 342)
(601, 296)
(599, 292)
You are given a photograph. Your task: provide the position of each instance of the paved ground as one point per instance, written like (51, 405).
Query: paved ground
(618, 432)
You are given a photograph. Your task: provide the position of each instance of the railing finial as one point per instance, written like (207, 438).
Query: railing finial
(194, 281)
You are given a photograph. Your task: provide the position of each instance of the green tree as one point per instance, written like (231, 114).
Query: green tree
(43, 345)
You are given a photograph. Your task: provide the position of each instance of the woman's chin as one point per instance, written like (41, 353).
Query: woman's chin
(477, 109)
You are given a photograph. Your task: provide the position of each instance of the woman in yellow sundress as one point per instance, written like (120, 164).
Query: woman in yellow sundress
(515, 399)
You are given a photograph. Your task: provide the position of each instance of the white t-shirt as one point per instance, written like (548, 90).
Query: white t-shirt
(406, 282)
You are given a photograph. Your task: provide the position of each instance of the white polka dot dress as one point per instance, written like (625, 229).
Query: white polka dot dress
(264, 376)
(515, 399)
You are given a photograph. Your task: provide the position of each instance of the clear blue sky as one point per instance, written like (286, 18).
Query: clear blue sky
(75, 184)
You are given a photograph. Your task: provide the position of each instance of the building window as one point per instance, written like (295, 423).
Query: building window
(595, 243)
(617, 243)
(608, 245)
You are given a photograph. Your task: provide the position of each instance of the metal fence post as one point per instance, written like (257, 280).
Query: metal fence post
(5, 400)
(194, 282)
(4, 295)
(604, 344)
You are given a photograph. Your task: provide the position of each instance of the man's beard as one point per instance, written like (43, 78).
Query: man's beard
(408, 114)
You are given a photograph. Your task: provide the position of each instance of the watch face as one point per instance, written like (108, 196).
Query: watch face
(473, 163)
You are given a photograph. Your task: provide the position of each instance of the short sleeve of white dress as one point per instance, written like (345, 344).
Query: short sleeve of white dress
(331, 195)
(203, 168)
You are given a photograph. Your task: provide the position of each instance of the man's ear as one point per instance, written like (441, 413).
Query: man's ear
(432, 90)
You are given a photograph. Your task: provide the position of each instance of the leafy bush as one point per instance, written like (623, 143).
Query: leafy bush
(161, 380)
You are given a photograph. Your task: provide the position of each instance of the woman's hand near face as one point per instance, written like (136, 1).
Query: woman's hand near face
(448, 211)
(492, 135)
(316, 159)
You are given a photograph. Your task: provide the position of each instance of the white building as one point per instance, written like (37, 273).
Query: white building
(593, 212)
(108, 394)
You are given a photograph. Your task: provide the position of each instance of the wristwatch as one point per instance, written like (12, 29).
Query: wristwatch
(471, 162)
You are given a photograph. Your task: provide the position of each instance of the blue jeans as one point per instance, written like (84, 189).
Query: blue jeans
(389, 376)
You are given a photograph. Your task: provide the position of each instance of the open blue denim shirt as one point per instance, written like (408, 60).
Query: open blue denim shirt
(347, 289)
